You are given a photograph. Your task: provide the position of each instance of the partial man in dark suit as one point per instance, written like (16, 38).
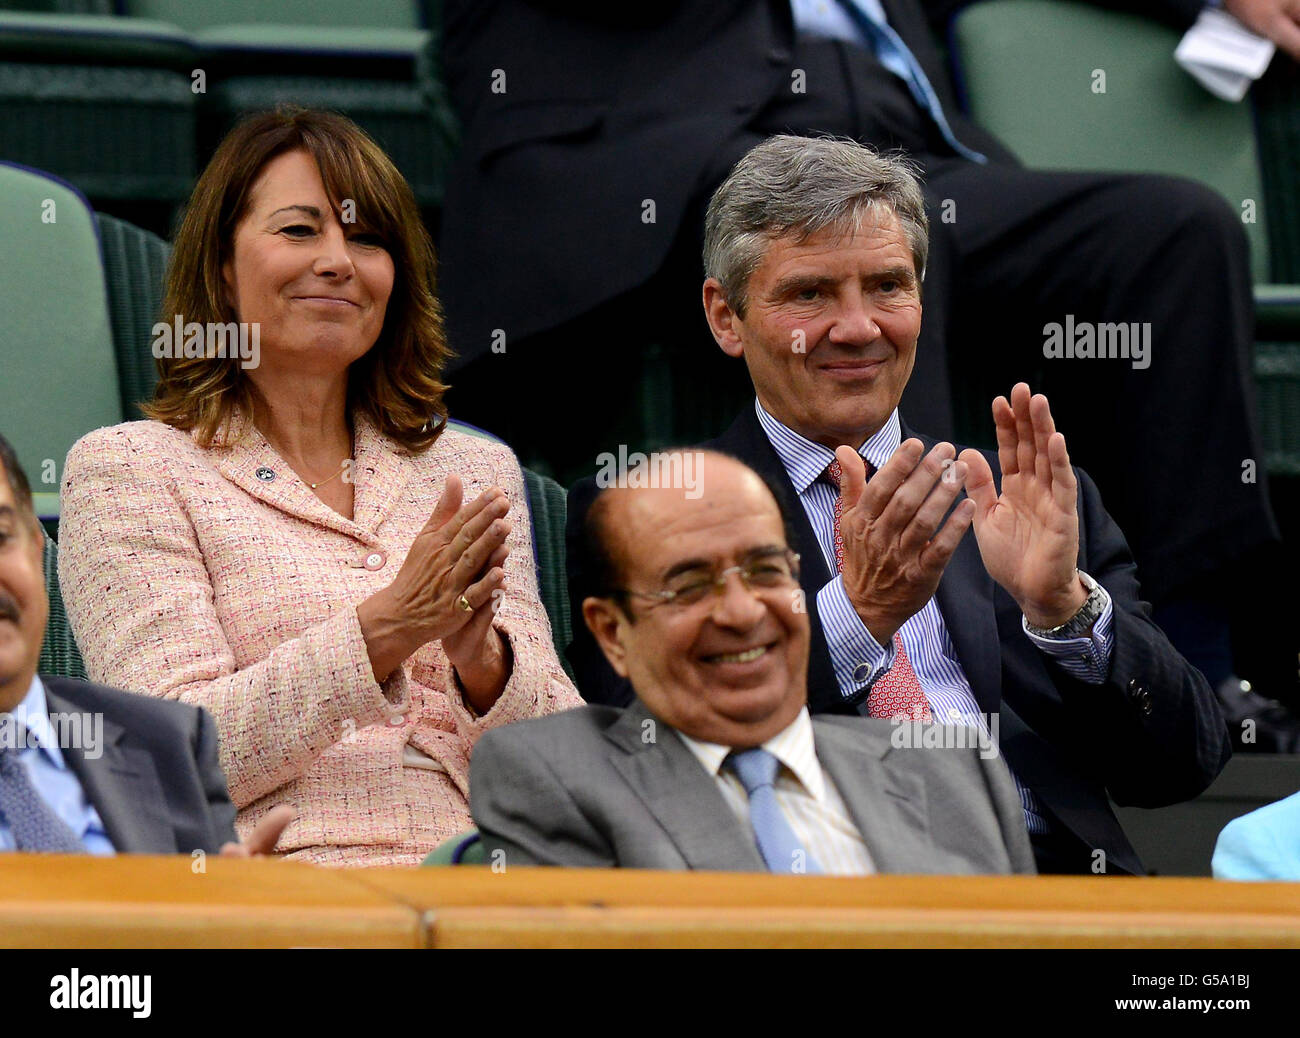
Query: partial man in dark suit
(717, 764)
(595, 133)
(815, 250)
(88, 769)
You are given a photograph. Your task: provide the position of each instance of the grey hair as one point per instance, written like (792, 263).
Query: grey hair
(799, 186)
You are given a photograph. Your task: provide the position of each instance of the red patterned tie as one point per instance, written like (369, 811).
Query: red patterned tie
(897, 692)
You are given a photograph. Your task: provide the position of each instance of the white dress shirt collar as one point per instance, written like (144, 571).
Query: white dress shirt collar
(793, 746)
(804, 460)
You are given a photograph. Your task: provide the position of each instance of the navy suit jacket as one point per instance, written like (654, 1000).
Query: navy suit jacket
(1150, 736)
(157, 785)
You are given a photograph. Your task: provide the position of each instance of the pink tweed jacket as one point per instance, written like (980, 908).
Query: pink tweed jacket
(215, 576)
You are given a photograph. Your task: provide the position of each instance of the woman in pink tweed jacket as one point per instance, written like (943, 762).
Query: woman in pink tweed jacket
(286, 544)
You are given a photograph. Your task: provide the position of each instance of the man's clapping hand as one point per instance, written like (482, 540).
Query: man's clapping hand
(895, 549)
(1028, 535)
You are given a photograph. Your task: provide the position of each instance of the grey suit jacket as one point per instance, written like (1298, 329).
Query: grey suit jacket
(156, 781)
(598, 786)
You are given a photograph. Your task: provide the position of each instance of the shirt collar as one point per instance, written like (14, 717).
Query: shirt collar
(792, 746)
(804, 461)
(32, 715)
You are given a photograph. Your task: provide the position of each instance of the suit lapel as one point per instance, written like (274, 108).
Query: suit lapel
(122, 784)
(680, 794)
(965, 599)
(886, 801)
(247, 453)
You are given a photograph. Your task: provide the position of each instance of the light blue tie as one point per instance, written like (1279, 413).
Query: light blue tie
(32, 821)
(896, 56)
(777, 842)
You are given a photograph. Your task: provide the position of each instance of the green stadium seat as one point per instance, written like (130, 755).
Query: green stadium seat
(101, 101)
(547, 507)
(59, 653)
(1277, 119)
(374, 62)
(60, 6)
(462, 849)
(1027, 69)
(60, 375)
(135, 265)
(1277, 377)
(389, 14)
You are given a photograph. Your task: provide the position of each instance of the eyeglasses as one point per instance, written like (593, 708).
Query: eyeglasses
(769, 573)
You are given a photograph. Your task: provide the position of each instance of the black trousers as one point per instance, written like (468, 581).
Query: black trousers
(1169, 438)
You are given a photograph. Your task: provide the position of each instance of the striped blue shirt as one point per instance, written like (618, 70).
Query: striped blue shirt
(857, 658)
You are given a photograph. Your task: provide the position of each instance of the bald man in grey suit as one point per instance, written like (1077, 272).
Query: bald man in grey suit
(701, 610)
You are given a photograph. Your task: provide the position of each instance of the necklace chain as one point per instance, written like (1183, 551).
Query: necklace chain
(335, 476)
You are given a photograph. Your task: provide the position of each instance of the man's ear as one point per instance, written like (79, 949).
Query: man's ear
(723, 322)
(603, 618)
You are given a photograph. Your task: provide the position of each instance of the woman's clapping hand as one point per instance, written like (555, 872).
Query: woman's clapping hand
(454, 561)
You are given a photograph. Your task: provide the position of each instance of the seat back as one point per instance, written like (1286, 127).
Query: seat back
(135, 265)
(389, 14)
(462, 849)
(59, 653)
(58, 374)
(548, 504)
(548, 507)
(1069, 86)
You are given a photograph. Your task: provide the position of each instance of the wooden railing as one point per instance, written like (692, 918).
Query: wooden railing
(174, 902)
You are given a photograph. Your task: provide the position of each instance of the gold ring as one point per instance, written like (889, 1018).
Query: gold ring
(463, 603)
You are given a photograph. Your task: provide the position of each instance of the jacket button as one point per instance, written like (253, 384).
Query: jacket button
(375, 560)
(1132, 686)
(265, 474)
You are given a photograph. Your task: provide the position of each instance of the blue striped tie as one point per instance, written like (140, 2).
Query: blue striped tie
(896, 56)
(32, 821)
(777, 843)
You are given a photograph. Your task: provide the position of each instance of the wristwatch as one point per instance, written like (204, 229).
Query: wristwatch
(1080, 624)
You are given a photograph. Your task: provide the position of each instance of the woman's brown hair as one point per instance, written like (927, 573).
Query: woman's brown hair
(397, 383)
